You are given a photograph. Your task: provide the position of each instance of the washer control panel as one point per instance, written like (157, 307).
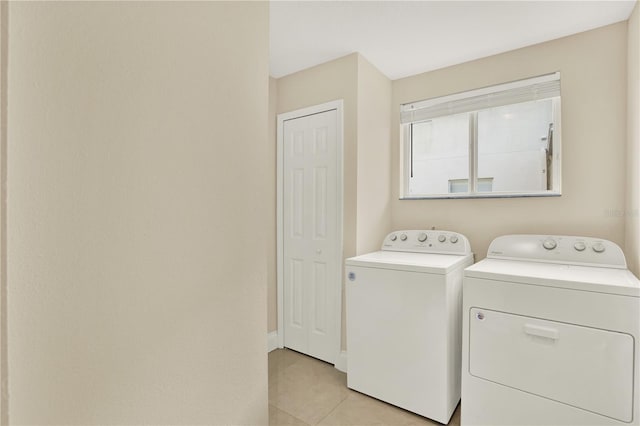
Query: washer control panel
(427, 241)
(558, 249)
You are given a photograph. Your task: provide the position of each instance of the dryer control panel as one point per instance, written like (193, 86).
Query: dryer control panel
(564, 249)
(427, 241)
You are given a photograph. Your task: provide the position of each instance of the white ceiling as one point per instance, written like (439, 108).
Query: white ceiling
(403, 38)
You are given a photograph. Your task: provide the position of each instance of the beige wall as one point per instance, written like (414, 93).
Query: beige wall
(271, 210)
(4, 28)
(594, 78)
(137, 271)
(632, 217)
(374, 150)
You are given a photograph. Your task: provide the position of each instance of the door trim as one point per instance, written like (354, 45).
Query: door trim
(338, 106)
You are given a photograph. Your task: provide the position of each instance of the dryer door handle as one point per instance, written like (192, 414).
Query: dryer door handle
(540, 331)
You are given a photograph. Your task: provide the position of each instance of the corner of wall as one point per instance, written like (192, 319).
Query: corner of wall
(373, 219)
(4, 30)
(632, 212)
(272, 283)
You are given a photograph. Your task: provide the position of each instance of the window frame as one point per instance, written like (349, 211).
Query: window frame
(556, 169)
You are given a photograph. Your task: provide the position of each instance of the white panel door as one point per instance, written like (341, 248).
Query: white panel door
(310, 240)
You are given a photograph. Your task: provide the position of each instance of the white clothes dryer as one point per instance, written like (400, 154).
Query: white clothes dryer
(403, 313)
(550, 334)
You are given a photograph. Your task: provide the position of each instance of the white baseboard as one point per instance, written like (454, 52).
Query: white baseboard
(341, 362)
(272, 341)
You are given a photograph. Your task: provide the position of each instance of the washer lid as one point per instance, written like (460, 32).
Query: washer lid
(415, 262)
(575, 277)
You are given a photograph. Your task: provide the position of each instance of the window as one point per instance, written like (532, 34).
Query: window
(499, 141)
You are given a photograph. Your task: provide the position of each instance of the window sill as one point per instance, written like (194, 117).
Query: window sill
(488, 195)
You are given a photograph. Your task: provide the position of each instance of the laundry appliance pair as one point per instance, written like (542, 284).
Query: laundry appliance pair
(542, 331)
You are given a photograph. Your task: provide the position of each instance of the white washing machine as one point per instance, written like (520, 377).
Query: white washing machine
(550, 334)
(404, 330)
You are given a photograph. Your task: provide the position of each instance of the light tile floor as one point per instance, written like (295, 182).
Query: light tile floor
(306, 391)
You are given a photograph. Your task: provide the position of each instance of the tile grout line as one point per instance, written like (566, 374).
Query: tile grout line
(285, 411)
(298, 361)
(334, 408)
(275, 379)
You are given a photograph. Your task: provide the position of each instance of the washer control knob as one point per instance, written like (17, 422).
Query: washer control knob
(549, 244)
(422, 237)
(403, 237)
(442, 238)
(598, 247)
(453, 239)
(580, 246)
(393, 237)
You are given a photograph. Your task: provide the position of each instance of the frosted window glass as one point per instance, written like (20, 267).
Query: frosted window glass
(457, 186)
(440, 153)
(512, 143)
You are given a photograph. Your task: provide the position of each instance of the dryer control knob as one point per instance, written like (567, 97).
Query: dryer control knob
(598, 247)
(580, 246)
(393, 237)
(549, 244)
(403, 237)
(453, 239)
(422, 237)
(442, 238)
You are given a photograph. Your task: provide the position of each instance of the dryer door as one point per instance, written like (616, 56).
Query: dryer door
(584, 367)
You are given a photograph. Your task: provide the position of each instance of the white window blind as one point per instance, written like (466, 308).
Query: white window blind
(532, 89)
